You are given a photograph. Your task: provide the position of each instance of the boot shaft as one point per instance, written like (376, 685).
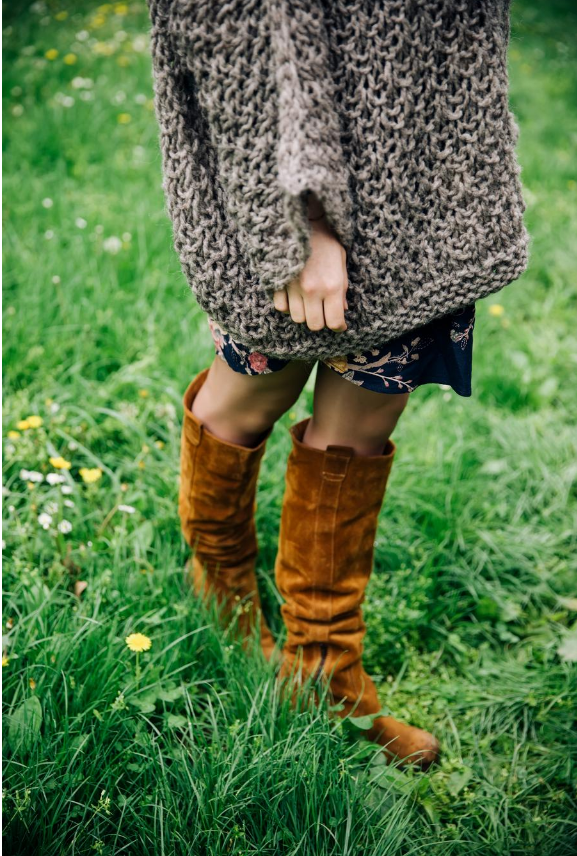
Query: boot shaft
(328, 525)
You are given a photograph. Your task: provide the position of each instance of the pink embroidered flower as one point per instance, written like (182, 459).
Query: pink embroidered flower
(258, 362)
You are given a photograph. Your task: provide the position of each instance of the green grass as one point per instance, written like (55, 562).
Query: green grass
(471, 610)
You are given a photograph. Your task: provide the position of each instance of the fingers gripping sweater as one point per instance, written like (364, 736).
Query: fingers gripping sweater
(394, 112)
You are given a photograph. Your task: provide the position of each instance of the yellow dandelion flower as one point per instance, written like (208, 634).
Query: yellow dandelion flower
(141, 465)
(5, 660)
(124, 118)
(145, 449)
(496, 310)
(51, 54)
(90, 475)
(23, 425)
(104, 8)
(120, 9)
(31, 485)
(13, 435)
(123, 61)
(159, 444)
(60, 463)
(103, 49)
(143, 393)
(32, 684)
(138, 642)
(48, 401)
(70, 59)
(61, 16)
(34, 421)
(98, 21)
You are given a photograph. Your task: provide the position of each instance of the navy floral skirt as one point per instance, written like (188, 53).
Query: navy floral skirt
(438, 352)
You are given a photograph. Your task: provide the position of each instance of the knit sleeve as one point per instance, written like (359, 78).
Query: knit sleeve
(258, 73)
(309, 153)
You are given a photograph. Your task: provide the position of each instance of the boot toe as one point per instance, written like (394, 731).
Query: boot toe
(405, 744)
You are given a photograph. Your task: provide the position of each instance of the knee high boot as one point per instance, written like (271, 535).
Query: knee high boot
(216, 506)
(328, 525)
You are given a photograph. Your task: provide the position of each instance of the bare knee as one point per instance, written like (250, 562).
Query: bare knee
(379, 422)
(365, 424)
(239, 407)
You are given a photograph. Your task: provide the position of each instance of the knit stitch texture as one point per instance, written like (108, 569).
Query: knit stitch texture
(394, 113)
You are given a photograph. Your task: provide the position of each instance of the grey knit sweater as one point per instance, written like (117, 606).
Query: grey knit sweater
(394, 112)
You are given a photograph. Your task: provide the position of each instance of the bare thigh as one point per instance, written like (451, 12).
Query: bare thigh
(240, 408)
(345, 414)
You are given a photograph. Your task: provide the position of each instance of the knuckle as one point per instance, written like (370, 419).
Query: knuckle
(332, 288)
(310, 287)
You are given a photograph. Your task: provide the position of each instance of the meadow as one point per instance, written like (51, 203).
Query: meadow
(472, 609)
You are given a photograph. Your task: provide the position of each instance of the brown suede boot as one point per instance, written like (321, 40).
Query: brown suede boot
(216, 506)
(328, 525)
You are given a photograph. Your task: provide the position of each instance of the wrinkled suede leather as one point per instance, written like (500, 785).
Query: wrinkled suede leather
(328, 525)
(217, 501)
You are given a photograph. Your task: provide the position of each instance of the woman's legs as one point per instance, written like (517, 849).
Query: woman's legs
(240, 408)
(345, 414)
(336, 479)
(227, 419)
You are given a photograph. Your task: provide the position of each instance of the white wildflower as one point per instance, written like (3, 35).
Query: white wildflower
(86, 95)
(17, 110)
(47, 203)
(45, 520)
(49, 234)
(82, 35)
(55, 478)
(65, 526)
(31, 475)
(128, 509)
(51, 507)
(81, 222)
(67, 489)
(119, 97)
(69, 503)
(140, 98)
(127, 237)
(82, 83)
(139, 44)
(56, 279)
(112, 245)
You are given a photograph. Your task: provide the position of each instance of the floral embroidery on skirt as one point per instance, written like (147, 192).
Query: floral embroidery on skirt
(438, 352)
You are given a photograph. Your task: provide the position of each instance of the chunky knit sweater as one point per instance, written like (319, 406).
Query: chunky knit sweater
(393, 112)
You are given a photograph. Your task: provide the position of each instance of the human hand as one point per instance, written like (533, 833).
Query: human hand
(318, 295)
